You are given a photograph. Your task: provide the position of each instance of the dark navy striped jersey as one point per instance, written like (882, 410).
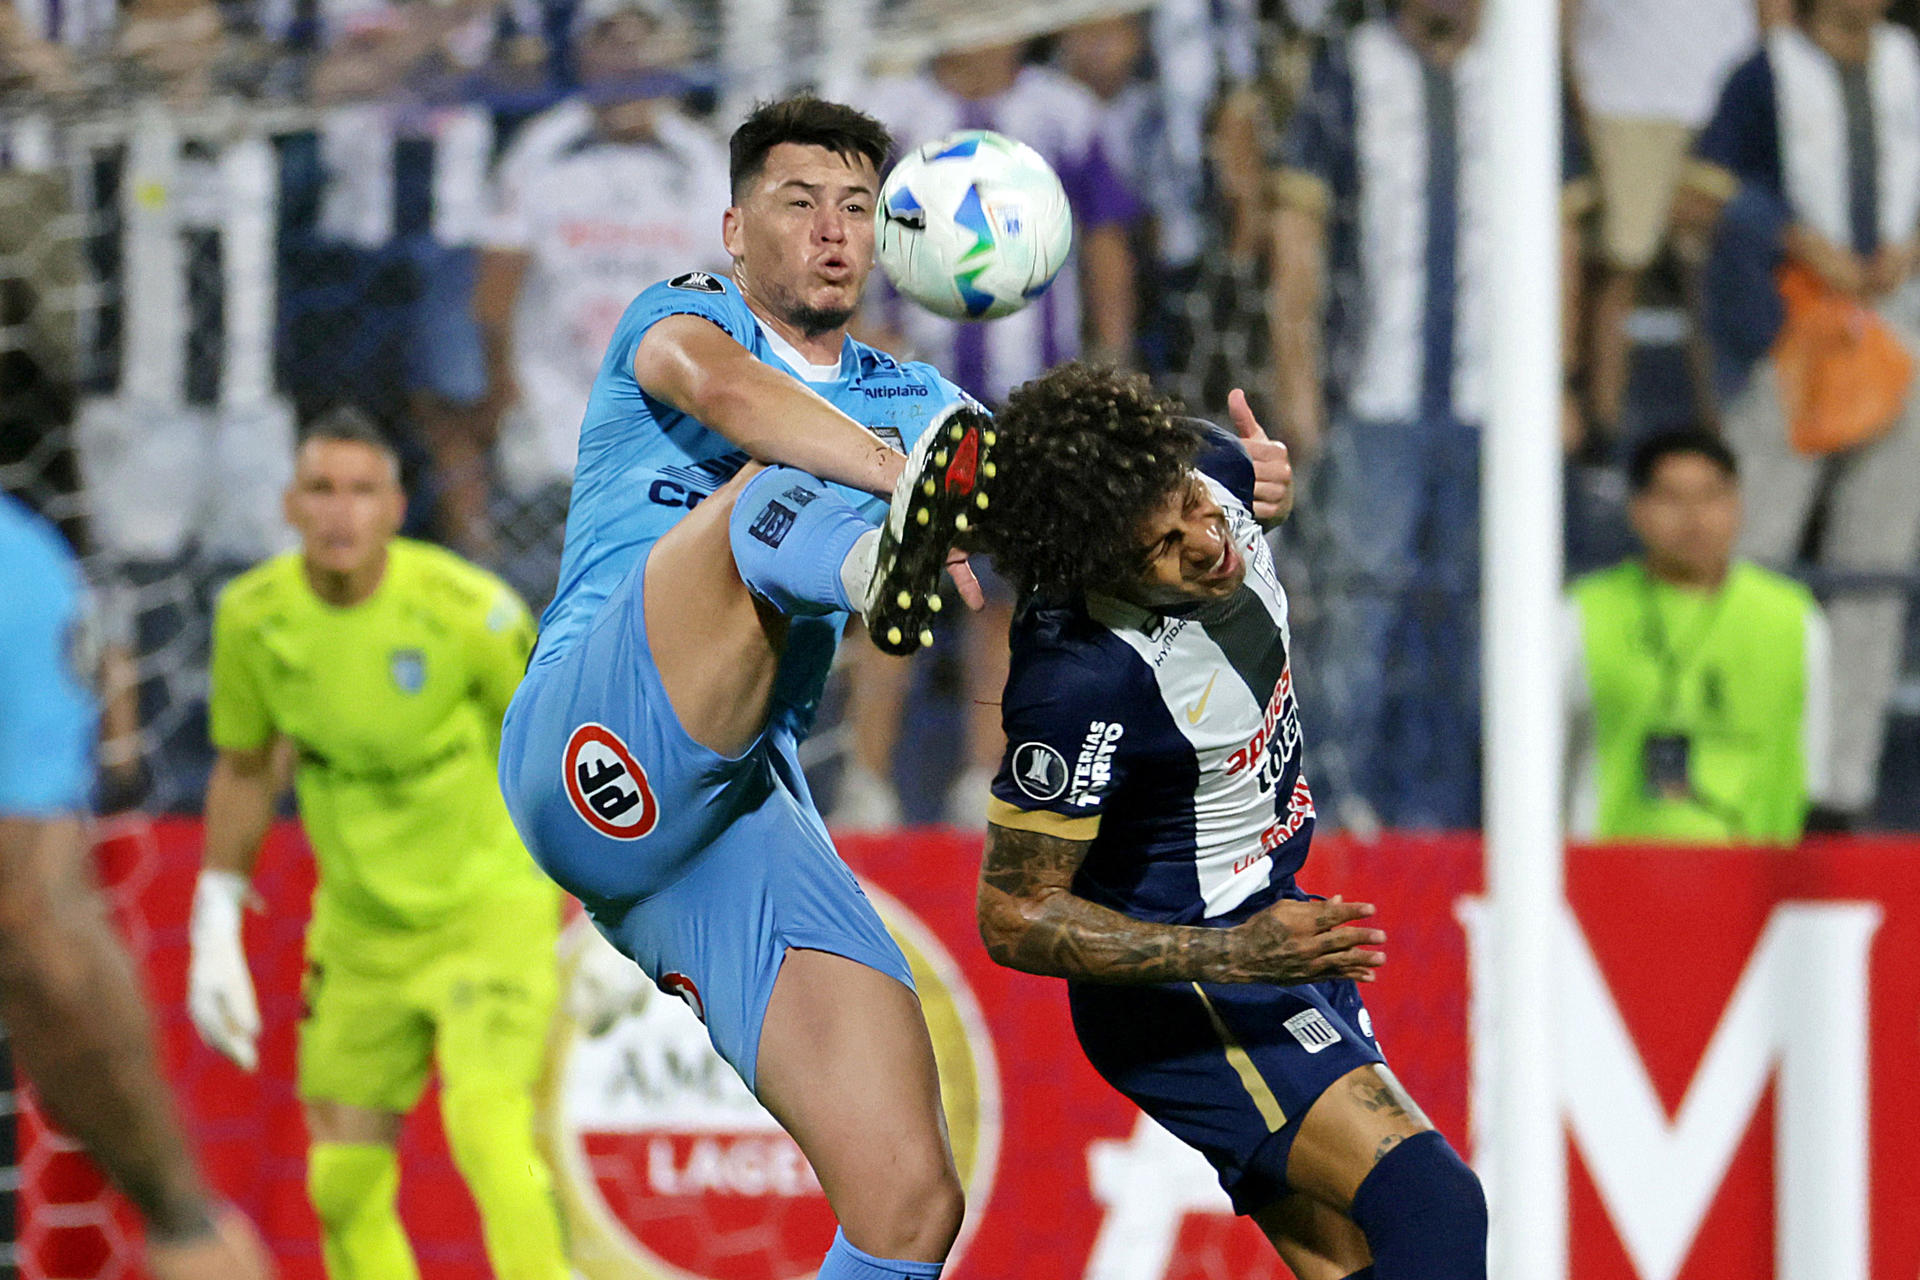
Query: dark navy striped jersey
(1171, 741)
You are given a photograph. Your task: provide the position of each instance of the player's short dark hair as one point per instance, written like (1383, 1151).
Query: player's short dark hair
(1655, 449)
(810, 122)
(1085, 454)
(354, 426)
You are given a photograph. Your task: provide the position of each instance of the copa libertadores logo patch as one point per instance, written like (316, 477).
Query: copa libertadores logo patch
(697, 282)
(1039, 770)
(606, 785)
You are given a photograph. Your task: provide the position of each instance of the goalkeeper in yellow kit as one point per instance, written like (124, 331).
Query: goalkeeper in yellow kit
(385, 666)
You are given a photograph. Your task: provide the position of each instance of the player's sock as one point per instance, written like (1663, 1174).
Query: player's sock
(1364, 1273)
(354, 1186)
(791, 535)
(1423, 1213)
(490, 1132)
(844, 1262)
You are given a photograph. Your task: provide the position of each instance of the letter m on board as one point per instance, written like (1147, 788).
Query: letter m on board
(1798, 1015)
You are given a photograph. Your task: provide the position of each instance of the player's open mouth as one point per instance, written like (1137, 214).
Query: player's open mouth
(1225, 567)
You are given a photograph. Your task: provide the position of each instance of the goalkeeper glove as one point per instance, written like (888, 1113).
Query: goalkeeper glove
(220, 996)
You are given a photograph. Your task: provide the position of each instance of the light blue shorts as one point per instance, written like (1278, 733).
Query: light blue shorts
(703, 868)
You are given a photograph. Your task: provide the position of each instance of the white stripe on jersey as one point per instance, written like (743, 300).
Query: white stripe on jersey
(1233, 802)
(231, 190)
(358, 144)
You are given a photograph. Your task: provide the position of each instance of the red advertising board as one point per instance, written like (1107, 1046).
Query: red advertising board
(1734, 1021)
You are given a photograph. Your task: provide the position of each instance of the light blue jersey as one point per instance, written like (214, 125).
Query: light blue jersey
(46, 711)
(643, 464)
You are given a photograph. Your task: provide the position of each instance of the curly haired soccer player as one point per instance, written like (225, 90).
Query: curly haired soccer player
(1150, 816)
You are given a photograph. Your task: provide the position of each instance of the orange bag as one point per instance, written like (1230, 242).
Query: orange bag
(1842, 372)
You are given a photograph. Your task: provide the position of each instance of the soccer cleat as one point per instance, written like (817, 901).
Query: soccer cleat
(944, 480)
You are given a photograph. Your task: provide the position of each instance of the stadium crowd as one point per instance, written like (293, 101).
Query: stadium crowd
(221, 221)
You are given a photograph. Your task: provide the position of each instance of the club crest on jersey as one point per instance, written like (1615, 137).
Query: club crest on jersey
(1039, 771)
(697, 282)
(1311, 1028)
(606, 785)
(409, 669)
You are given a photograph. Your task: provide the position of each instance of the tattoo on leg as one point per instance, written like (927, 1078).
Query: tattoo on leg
(1387, 1144)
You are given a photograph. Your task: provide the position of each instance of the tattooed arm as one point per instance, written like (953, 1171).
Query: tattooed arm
(1030, 919)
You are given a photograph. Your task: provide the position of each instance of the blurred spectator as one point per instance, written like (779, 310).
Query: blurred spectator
(1154, 132)
(610, 192)
(404, 164)
(1698, 684)
(181, 434)
(1382, 244)
(1816, 144)
(170, 49)
(187, 444)
(1646, 73)
(993, 86)
(34, 42)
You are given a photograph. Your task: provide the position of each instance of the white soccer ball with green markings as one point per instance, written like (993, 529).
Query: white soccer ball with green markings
(973, 226)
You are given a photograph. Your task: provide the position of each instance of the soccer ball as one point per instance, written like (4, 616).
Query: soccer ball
(973, 226)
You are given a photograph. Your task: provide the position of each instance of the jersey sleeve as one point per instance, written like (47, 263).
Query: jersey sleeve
(237, 715)
(1063, 761)
(691, 293)
(46, 710)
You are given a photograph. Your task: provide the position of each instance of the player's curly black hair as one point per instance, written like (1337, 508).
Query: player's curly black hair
(1084, 454)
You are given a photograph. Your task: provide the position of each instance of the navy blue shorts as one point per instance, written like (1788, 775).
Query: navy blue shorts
(1229, 1069)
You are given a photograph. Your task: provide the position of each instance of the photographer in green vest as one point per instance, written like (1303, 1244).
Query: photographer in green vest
(1698, 683)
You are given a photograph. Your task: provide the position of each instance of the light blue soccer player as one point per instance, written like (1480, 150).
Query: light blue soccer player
(67, 994)
(649, 757)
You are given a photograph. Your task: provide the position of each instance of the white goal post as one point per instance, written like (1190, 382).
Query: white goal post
(1521, 501)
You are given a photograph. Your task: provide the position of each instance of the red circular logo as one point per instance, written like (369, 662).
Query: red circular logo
(606, 785)
(679, 984)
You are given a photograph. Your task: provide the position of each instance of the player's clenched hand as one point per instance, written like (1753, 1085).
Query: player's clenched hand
(1272, 470)
(220, 997)
(1295, 942)
(228, 1250)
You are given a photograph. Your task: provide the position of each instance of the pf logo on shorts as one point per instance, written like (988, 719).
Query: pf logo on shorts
(606, 785)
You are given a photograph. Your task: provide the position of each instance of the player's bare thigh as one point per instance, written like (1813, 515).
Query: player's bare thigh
(847, 1067)
(1316, 1241)
(715, 646)
(1362, 1116)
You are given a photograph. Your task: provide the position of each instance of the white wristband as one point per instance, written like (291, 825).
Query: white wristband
(218, 898)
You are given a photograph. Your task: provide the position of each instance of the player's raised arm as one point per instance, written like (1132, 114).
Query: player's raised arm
(1031, 920)
(699, 368)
